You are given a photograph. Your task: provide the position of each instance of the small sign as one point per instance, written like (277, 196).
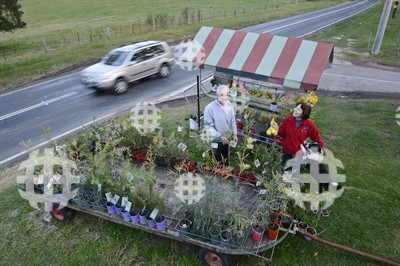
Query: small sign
(124, 201)
(115, 199)
(214, 145)
(50, 183)
(129, 177)
(41, 179)
(98, 187)
(262, 191)
(128, 206)
(232, 143)
(154, 213)
(264, 171)
(56, 177)
(257, 163)
(109, 196)
(182, 146)
(258, 183)
(180, 128)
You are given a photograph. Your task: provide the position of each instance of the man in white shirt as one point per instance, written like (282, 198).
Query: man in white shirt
(220, 123)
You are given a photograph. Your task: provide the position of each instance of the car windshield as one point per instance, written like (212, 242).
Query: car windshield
(115, 58)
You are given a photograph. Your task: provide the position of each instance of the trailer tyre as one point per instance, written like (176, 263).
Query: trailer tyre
(212, 258)
(60, 215)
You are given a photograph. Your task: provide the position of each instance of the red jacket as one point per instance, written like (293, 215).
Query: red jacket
(292, 137)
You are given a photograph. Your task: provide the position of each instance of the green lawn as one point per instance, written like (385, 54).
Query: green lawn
(362, 133)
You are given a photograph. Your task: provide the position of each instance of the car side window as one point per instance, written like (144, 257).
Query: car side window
(139, 56)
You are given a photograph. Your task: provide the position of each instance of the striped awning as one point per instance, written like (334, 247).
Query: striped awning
(290, 62)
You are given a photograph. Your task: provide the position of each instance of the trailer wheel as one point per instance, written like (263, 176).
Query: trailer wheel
(212, 258)
(60, 215)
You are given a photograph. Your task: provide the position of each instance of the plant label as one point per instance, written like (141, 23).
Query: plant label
(258, 183)
(56, 177)
(41, 179)
(115, 199)
(109, 196)
(129, 177)
(214, 145)
(182, 146)
(50, 183)
(262, 191)
(232, 143)
(124, 201)
(128, 206)
(98, 187)
(264, 171)
(257, 163)
(154, 213)
(180, 128)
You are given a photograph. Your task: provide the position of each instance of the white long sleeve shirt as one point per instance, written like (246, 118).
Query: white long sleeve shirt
(220, 120)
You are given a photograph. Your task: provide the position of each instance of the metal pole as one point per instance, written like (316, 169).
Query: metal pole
(198, 100)
(381, 27)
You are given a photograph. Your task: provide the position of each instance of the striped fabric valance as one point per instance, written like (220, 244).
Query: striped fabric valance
(290, 62)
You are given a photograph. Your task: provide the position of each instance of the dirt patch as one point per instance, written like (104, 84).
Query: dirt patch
(35, 221)
(8, 176)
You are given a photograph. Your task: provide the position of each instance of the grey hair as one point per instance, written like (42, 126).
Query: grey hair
(222, 88)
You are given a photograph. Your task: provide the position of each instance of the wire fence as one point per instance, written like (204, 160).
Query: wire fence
(150, 23)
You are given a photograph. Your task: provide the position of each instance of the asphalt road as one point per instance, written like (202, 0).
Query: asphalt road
(64, 105)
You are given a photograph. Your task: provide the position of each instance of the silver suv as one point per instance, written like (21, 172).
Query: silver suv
(129, 63)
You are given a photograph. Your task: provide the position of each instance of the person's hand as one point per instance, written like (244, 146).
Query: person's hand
(274, 125)
(235, 138)
(224, 140)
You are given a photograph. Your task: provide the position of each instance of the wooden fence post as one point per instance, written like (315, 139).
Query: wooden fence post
(44, 44)
(108, 32)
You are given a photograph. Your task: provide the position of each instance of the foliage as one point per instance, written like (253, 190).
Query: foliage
(11, 15)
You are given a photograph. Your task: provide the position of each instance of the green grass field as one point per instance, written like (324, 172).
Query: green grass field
(362, 133)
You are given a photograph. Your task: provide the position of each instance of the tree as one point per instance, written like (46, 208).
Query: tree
(10, 15)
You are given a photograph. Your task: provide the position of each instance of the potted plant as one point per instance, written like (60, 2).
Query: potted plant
(273, 230)
(215, 231)
(161, 222)
(257, 232)
(194, 121)
(214, 84)
(135, 215)
(277, 96)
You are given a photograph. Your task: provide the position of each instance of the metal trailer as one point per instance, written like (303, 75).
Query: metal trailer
(209, 253)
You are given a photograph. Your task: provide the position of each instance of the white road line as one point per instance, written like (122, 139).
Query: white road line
(326, 26)
(55, 138)
(308, 19)
(42, 83)
(37, 105)
(369, 79)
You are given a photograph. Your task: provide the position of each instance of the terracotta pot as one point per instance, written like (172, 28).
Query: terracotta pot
(273, 230)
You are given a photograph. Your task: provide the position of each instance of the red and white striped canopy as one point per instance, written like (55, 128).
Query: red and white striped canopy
(290, 62)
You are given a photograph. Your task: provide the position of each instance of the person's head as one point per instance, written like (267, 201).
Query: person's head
(222, 94)
(302, 110)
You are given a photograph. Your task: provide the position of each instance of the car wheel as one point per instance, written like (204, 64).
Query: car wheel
(121, 86)
(164, 71)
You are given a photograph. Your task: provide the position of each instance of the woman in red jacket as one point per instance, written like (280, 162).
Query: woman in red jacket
(295, 129)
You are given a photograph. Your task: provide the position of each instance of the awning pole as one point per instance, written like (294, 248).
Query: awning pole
(198, 100)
